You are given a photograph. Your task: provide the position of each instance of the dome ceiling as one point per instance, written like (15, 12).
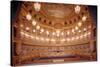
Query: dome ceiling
(58, 13)
(54, 15)
(58, 24)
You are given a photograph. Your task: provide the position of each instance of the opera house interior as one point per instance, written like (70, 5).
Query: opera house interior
(44, 32)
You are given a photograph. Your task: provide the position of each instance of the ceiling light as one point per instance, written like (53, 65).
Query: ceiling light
(33, 22)
(37, 6)
(84, 18)
(28, 16)
(37, 27)
(79, 24)
(77, 9)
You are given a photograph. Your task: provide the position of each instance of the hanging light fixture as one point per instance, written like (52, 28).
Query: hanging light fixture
(77, 9)
(28, 16)
(42, 30)
(22, 33)
(58, 31)
(84, 18)
(85, 35)
(37, 6)
(34, 30)
(79, 31)
(77, 37)
(53, 33)
(62, 33)
(37, 27)
(76, 28)
(84, 29)
(27, 35)
(27, 28)
(21, 25)
(72, 38)
(31, 37)
(89, 26)
(63, 40)
(58, 35)
(47, 39)
(81, 36)
(42, 38)
(47, 32)
(68, 39)
(37, 38)
(79, 24)
(73, 30)
(68, 32)
(88, 33)
(53, 40)
(33, 22)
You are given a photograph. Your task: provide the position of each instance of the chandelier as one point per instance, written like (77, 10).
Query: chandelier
(77, 9)
(37, 6)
